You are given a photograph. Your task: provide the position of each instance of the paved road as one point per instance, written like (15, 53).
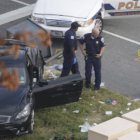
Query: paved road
(119, 70)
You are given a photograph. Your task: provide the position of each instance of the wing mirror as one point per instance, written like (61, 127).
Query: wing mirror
(42, 82)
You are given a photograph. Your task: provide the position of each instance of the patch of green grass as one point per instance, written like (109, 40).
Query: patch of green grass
(54, 121)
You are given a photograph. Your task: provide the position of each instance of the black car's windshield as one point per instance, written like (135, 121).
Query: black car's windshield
(21, 73)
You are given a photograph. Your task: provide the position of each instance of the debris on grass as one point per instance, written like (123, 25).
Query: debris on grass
(102, 84)
(127, 109)
(136, 100)
(129, 104)
(101, 102)
(108, 112)
(86, 126)
(93, 97)
(64, 110)
(76, 111)
(58, 67)
(113, 102)
(50, 73)
(121, 112)
(108, 101)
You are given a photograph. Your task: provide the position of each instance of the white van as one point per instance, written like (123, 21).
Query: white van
(56, 16)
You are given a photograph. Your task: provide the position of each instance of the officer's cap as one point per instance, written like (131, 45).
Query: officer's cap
(74, 25)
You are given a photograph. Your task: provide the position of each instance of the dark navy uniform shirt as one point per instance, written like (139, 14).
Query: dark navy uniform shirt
(69, 42)
(93, 45)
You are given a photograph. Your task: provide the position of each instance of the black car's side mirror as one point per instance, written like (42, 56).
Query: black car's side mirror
(42, 82)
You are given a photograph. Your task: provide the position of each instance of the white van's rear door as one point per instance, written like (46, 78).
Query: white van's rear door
(121, 8)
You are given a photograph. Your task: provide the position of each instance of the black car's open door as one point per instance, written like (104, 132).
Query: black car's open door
(30, 26)
(60, 91)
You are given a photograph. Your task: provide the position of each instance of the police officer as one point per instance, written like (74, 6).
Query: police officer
(70, 45)
(94, 49)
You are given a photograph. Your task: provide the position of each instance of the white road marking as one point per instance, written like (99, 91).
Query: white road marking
(122, 37)
(16, 14)
(20, 2)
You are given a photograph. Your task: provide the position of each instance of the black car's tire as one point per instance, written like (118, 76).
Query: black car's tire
(99, 23)
(31, 125)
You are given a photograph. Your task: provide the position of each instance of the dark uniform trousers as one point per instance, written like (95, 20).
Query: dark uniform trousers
(69, 66)
(96, 63)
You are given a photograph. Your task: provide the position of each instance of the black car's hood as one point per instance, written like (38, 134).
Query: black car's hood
(9, 100)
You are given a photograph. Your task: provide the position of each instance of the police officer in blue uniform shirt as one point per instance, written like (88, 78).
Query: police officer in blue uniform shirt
(70, 45)
(94, 49)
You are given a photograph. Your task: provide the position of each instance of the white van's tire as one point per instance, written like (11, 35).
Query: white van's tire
(99, 23)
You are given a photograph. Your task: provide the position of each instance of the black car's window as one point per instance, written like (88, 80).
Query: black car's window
(21, 74)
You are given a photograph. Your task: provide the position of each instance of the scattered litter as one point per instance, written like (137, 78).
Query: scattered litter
(80, 98)
(86, 119)
(101, 102)
(127, 109)
(92, 72)
(64, 110)
(136, 100)
(113, 102)
(94, 111)
(91, 104)
(108, 101)
(95, 124)
(129, 104)
(93, 97)
(102, 84)
(108, 112)
(76, 111)
(50, 73)
(121, 112)
(86, 126)
(60, 56)
(58, 67)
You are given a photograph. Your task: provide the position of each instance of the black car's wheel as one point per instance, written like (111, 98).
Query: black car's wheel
(31, 125)
(99, 23)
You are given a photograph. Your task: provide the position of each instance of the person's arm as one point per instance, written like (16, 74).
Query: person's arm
(101, 52)
(81, 42)
(73, 51)
(82, 49)
(102, 48)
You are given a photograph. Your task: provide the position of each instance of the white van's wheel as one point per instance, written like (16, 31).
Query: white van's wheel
(99, 23)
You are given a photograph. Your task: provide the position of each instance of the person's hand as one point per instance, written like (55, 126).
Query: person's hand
(98, 55)
(74, 60)
(84, 53)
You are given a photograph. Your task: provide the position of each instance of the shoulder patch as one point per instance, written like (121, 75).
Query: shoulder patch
(72, 37)
(102, 39)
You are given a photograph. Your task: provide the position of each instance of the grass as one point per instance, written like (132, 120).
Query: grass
(61, 121)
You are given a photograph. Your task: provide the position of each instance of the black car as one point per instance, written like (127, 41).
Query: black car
(17, 106)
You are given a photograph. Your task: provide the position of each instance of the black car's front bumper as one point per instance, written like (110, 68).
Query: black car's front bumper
(11, 129)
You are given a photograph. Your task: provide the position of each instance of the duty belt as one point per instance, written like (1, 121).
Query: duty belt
(91, 55)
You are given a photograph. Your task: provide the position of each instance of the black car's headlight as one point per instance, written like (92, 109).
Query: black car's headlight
(24, 113)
